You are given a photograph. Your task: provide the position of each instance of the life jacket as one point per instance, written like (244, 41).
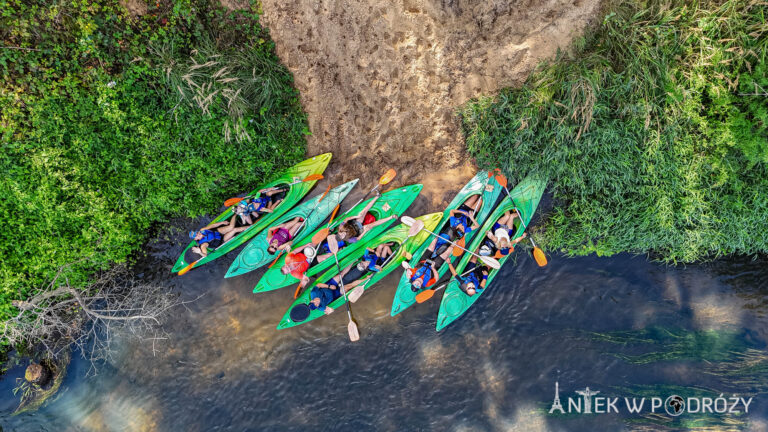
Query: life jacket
(257, 204)
(425, 274)
(209, 236)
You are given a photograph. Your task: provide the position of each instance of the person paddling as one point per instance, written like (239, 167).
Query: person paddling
(206, 238)
(279, 237)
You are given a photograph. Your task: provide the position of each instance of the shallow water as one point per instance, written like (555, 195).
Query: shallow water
(620, 325)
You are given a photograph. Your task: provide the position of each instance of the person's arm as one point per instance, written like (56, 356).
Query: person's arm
(322, 285)
(519, 239)
(491, 236)
(285, 246)
(484, 280)
(204, 249)
(373, 225)
(453, 270)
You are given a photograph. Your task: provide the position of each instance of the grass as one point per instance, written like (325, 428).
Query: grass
(100, 146)
(653, 132)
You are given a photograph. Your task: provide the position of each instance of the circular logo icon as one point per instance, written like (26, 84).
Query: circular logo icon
(674, 405)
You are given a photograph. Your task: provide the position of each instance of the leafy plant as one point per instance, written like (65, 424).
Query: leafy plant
(654, 135)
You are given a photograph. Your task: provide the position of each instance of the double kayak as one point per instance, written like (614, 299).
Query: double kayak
(525, 197)
(297, 189)
(392, 203)
(482, 185)
(313, 211)
(400, 244)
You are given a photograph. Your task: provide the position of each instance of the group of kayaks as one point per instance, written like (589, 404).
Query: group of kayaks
(332, 261)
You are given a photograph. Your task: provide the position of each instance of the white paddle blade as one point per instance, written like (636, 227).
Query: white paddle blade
(332, 244)
(415, 228)
(407, 220)
(354, 334)
(405, 265)
(356, 293)
(491, 262)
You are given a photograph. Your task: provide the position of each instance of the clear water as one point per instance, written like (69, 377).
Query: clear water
(619, 325)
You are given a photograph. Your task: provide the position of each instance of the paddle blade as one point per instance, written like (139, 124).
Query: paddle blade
(539, 256)
(187, 268)
(424, 296)
(232, 201)
(333, 245)
(276, 258)
(298, 291)
(387, 177)
(320, 236)
(407, 220)
(500, 179)
(415, 228)
(356, 293)
(354, 334)
(457, 251)
(491, 262)
(313, 177)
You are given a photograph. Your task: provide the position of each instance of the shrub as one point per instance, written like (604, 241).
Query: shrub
(654, 135)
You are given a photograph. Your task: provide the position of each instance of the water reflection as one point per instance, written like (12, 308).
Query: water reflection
(620, 325)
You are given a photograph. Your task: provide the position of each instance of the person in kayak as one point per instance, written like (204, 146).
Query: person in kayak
(424, 276)
(214, 235)
(353, 275)
(265, 202)
(353, 228)
(322, 295)
(474, 278)
(279, 237)
(499, 235)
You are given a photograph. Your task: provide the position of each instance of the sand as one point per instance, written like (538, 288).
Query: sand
(382, 81)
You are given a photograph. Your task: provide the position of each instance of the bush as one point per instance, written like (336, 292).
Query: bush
(654, 135)
(97, 147)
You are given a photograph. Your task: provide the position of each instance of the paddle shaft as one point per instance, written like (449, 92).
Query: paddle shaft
(456, 245)
(313, 209)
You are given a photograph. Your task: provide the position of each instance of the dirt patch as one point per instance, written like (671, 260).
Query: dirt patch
(135, 7)
(381, 81)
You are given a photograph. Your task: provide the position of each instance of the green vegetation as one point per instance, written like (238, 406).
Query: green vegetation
(653, 132)
(100, 142)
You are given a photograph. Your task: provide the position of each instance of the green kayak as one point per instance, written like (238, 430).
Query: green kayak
(402, 244)
(394, 202)
(297, 191)
(255, 254)
(480, 184)
(525, 196)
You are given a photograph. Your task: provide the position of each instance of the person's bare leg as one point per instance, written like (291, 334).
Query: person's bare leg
(233, 232)
(448, 252)
(293, 226)
(471, 202)
(227, 229)
(506, 219)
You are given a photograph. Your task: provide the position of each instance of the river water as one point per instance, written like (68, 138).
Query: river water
(622, 325)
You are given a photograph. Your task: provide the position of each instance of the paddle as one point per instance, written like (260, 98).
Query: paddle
(354, 335)
(383, 180)
(427, 294)
(312, 177)
(538, 254)
(462, 241)
(303, 223)
(188, 268)
(359, 290)
(490, 262)
(323, 233)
